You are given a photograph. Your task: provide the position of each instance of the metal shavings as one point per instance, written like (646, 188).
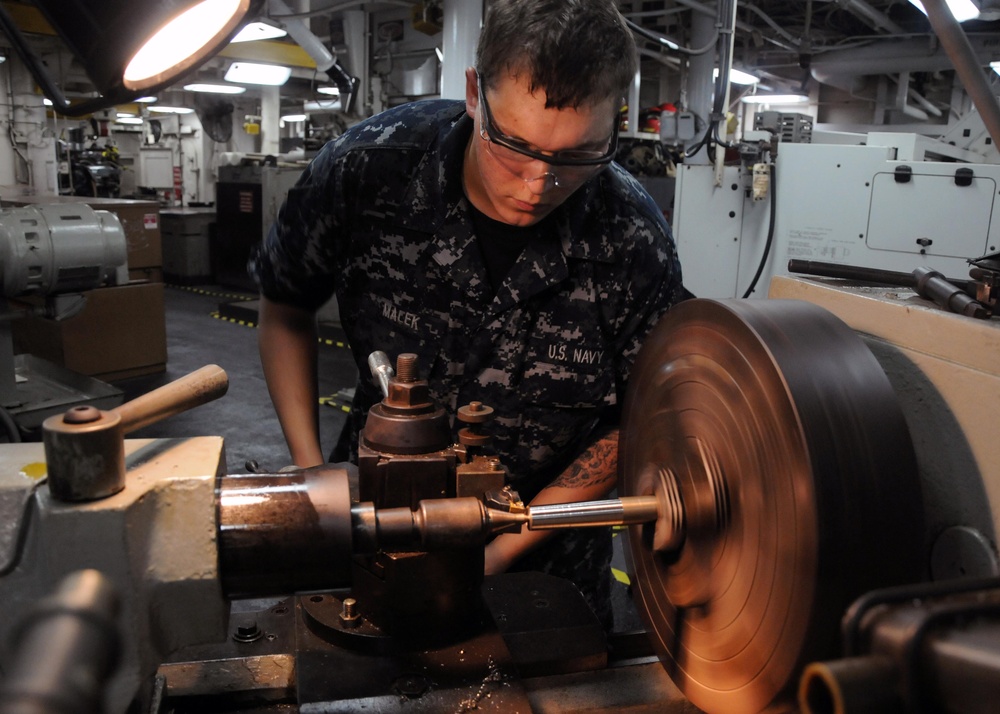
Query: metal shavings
(493, 674)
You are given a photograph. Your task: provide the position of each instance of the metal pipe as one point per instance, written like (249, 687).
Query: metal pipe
(855, 685)
(956, 44)
(862, 274)
(878, 19)
(613, 512)
(303, 36)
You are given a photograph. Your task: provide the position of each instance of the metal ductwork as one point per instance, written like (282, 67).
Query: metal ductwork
(845, 69)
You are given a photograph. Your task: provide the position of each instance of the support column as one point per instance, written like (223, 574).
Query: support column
(700, 79)
(270, 114)
(463, 19)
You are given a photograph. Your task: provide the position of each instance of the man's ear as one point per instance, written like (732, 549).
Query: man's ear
(471, 91)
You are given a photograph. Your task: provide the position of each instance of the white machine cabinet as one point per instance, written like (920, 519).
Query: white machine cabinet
(945, 371)
(851, 204)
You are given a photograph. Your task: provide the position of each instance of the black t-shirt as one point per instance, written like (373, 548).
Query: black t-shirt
(500, 243)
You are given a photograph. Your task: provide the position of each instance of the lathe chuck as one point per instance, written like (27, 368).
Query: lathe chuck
(777, 435)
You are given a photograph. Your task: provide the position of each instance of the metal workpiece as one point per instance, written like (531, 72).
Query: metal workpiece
(65, 650)
(443, 523)
(610, 512)
(284, 533)
(772, 428)
(84, 447)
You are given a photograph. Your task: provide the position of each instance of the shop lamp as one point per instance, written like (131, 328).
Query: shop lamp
(130, 48)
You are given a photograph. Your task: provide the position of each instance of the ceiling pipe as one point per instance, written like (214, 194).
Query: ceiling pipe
(967, 66)
(875, 18)
(845, 68)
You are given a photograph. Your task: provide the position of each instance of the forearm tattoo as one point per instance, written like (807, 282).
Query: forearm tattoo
(595, 466)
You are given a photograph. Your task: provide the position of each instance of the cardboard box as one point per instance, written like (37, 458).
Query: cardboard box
(139, 219)
(120, 333)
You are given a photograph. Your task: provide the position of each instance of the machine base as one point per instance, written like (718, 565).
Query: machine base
(542, 651)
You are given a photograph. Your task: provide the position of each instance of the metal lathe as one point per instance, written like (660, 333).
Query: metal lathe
(808, 486)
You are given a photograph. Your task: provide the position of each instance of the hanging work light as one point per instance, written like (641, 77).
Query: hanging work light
(130, 48)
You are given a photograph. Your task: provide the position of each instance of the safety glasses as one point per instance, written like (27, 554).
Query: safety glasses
(514, 152)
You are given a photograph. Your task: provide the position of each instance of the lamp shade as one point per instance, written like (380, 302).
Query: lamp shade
(128, 47)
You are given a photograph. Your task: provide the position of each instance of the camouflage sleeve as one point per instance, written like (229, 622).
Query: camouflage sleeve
(296, 261)
(652, 286)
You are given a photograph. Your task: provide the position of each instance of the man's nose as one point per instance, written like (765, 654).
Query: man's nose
(542, 183)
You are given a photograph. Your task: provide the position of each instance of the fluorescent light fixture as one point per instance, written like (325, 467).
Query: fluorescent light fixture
(46, 101)
(253, 73)
(294, 117)
(145, 100)
(962, 9)
(332, 91)
(258, 31)
(737, 76)
(182, 42)
(128, 120)
(775, 99)
(215, 88)
(323, 105)
(995, 66)
(162, 109)
(124, 115)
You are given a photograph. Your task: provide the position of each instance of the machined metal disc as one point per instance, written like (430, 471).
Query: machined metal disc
(776, 431)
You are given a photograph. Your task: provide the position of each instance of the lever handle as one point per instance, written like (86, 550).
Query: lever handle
(199, 387)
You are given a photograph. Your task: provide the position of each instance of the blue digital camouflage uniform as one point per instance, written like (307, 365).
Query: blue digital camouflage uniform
(380, 218)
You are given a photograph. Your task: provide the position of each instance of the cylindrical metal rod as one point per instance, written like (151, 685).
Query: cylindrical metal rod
(613, 512)
(960, 52)
(931, 285)
(855, 272)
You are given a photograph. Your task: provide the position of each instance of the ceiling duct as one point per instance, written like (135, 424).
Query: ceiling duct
(845, 69)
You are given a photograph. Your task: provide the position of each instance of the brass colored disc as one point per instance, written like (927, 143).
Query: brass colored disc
(798, 485)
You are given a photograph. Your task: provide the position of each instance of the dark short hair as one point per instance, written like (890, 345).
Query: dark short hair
(576, 51)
